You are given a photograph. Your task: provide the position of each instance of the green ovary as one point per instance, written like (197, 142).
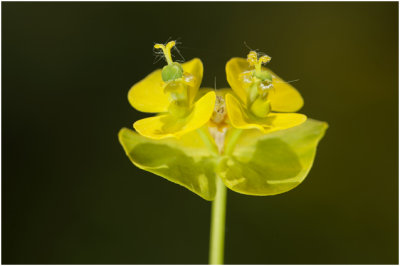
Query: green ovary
(261, 107)
(172, 72)
(259, 104)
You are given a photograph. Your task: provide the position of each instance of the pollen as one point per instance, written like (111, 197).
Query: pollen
(253, 60)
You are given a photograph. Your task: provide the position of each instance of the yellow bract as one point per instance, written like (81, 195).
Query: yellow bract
(283, 96)
(164, 126)
(199, 137)
(171, 91)
(241, 118)
(148, 94)
(259, 93)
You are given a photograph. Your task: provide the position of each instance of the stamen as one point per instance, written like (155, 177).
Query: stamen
(219, 113)
(262, 60)
(166, 50)
(253, 60)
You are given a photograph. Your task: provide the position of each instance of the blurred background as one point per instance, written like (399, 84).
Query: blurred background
(70, 195)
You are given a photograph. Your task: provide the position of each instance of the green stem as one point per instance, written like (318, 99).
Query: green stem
(217, 235)
(217, 232)
(218, 212)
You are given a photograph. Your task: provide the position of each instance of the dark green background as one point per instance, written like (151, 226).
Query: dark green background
(70, 195)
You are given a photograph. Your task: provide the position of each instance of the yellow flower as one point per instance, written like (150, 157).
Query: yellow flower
(197, 140)
(171, 92)
(259, 95)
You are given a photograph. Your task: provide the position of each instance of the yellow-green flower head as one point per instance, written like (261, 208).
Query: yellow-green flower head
(259, 95)
(171, 92)
(197, 137)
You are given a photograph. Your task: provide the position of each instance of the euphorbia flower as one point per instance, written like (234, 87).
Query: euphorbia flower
(245, 139)
(222, 134)
(260, 94)
(171, 91)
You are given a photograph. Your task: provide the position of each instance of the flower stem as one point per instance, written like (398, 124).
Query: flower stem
(217, 235)
(218, 210)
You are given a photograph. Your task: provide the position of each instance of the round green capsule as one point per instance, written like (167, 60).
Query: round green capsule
(172, 72)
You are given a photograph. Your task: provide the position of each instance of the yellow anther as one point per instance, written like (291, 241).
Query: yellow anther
(253, 60)
(264, 59)
(166, 50)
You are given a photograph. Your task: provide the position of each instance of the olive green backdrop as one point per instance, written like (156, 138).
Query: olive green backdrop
(70, 195)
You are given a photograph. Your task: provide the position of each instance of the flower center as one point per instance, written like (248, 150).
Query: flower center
(219, 113)
(261, 84)
(218, 125)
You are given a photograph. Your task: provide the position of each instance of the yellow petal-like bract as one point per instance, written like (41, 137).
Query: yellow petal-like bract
(250, 138)
(241, 118)
(195, 68)
(164, 126)
(284, 98)
(148, 94)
